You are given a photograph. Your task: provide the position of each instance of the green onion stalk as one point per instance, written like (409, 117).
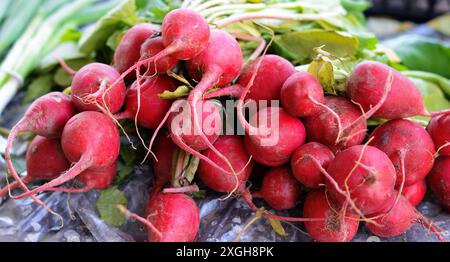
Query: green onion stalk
(42, 35)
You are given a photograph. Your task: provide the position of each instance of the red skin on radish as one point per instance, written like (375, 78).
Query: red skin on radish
(91, 141)
(272, 73)
(415, 193)
(277, 147)
(150, 48)
(234, 150)
(127, 52)
(93, 81)
(439, 181)
(366, 86)
(180, 125)
(176, 216)
(323, 127)
(397, 218)
(280, 189)
(44, 159)
(162, 169)
(439, 130)
(152, 108)
(371, 184)
(186, 31)
(335, 227)
(296, 93)
(401, 136)
(46, 117)
(99, 179)
(305, 169)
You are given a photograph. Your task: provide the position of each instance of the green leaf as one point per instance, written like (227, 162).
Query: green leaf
(124, 15)
(442, 82)
(277, 227)
(114, 40)
(322, 69)
(125, 165)
(298, 46)
(107, 206)
(422, 53)
(180, 92)
(39, 87)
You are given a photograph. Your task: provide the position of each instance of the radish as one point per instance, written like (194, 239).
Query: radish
(365, 177)
(304, 163)
(269, 78)
(439, 130)
(415, 193)
(182, 129)
(149, 107)
(127, 52)
(404, 140)
(185, 33)
(439, 181)
(396, 218)
(98, 87)
(366, 84)
(279, 188)
(162, 167)
(91, 141)
(336, 132)
(217, 65)
(175, 216)
(153, 46)
(301, 94)
(93, 179)
(46, 117)
(338, 224)
(233, 148)
(276, 138)
(44, 159)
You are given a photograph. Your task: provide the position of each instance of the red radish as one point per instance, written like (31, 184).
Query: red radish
(404, 140)
(304, 163)
(95, 87)
(181, 127)
(46, 117)
(279, 188)
(439, 129)
(234, 150)
(44, 159)
(439, 181)
(127, 52)
(185, 33)
(337, 225)
(366, 175)
(301, 93)
(272, 73)
(91, 141)
(151, 47)
(285, 134)
(366, 84)
(325, 128)
(162, 168)
(396, 218)
(93, 179)
(217, 65)
(151, 109)
(175, 216)
(415, 193)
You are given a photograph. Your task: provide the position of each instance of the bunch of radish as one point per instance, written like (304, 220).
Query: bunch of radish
(308, 142)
